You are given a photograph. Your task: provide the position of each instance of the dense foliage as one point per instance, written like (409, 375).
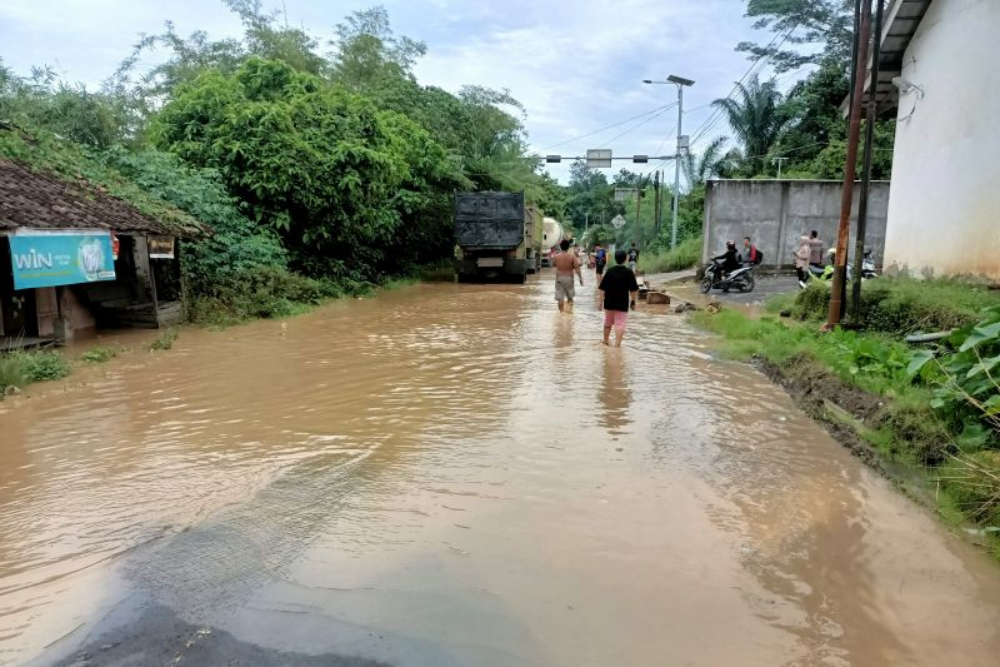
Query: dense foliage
(337, 166)
(805, 127)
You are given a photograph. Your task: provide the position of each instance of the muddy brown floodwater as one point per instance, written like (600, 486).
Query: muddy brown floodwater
(457, 475)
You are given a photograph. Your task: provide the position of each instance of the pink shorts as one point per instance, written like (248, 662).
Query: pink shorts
(615, 318)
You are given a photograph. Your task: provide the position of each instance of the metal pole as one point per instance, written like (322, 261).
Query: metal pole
(780, 161)
(637, 233)
(677, 164)
(866, 170)
(656, 203)
(850, 169)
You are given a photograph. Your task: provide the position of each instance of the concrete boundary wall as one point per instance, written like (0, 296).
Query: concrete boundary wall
(776, 213)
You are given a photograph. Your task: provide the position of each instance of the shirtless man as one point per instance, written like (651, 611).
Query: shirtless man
(566, 264)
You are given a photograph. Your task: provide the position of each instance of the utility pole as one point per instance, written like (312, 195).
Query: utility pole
(656, 203)
(866, 170)
(853, 136)
(779, 160)
(677, 163)
(637, 234)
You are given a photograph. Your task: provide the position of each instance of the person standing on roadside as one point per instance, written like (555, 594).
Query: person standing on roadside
(620, 292)
(802, 257)
(753, 255)
(566, 263)
(600, 260)
(815, 249)
(633, 257)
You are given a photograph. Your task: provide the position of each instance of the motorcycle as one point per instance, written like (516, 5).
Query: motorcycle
(824, 274)
(868, 267)
(714, 278)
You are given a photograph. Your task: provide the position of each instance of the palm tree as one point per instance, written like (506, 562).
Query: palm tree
(756, 116)
(711, 162)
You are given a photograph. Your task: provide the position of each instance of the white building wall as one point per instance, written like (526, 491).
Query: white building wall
(944, 204)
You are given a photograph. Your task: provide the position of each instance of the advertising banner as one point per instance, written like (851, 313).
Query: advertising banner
(47, 259)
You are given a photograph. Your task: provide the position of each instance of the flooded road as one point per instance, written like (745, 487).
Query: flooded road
(458, 475)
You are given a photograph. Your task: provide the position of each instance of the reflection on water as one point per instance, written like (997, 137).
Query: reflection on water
(615, 394)
(454, 475)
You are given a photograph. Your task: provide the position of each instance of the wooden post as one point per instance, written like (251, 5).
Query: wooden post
(866, 170)
(850, 169)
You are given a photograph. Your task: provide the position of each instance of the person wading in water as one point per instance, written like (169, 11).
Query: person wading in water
(620, 292)
(566, 264)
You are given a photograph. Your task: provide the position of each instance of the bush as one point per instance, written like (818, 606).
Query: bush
(11, 372)
(24, 367)
(42, 366)
(686, 255)
(164, 341)
(264, 293)
(904, 305)
(100, 354)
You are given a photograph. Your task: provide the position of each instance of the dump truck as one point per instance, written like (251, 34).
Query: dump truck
(498, 237)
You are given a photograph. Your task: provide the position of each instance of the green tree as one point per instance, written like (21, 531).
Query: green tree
(816, 120)
(333, 175)
(829, 162)
(367, 50)
(757, 117)
(816, 30)
(91, 118)
(712, 162)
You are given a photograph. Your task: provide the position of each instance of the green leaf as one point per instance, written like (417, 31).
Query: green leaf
(981, 334)
(992, 406)
(917, 363)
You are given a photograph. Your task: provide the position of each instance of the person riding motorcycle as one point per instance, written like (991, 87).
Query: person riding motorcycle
(730, 261)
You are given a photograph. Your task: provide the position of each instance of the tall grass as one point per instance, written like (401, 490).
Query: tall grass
(686, 255)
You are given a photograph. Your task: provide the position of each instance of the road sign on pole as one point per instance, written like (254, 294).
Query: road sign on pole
(599, 158)
(618, 222)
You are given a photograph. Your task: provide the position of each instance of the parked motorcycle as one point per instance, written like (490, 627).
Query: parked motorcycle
(868, 267)
(741, 279)
(824, 274)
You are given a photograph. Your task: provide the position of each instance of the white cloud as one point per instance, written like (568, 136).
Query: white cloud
(578, 66)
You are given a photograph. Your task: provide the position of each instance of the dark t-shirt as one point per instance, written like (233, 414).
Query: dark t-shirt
(617, 283)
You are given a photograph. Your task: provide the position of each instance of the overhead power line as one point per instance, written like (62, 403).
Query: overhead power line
(659, 109)
(636, 127)
(755, 68)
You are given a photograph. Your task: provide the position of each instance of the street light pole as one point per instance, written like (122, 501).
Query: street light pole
(677, 164)
(681, 83)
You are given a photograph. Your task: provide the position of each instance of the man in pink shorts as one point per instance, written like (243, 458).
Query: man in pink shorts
(620, 292)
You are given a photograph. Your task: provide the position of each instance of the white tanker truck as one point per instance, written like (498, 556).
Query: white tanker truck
(552, 233)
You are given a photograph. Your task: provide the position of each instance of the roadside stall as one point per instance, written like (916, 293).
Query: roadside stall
(73, 258)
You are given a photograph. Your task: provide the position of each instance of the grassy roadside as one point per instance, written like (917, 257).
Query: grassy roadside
(684, 256)
(929, 417)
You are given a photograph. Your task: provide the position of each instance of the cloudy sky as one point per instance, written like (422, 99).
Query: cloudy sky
(577, 65)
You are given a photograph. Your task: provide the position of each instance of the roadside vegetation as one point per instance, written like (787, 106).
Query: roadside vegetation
(934, 406)
(686, 255)
(20, 368)
(321, 173)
